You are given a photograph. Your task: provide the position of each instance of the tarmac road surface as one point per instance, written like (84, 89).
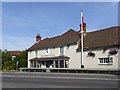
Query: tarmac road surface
(57, 80)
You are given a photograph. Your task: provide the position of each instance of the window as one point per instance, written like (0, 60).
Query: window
(13, 57)
(61, 50)
(61, 63)
(56, 64)
(108, 60)
(30, 52)
(46, 51)
(31, 63)
(66, 63)
(43, 63)
(68, 46)
(36, 53)
(34, 64)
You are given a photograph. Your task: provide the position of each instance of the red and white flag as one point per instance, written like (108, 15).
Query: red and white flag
(82, 20)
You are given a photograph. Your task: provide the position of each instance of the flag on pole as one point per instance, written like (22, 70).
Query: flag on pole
(82, 35)
(82, 21)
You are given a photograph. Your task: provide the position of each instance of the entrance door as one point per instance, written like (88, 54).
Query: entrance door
(47, 64)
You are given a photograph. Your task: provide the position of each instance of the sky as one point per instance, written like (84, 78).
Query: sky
(21, 21)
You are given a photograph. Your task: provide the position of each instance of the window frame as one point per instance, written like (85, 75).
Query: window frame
(47, 51)
(105, 60)
(61, 50)
(61, 64)
(36, 53)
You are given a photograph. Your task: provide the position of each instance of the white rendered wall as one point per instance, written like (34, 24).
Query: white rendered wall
(119, 59)
(75, 62)
(93, 62)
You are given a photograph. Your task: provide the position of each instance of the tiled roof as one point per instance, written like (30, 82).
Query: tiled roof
(68, 38)
(102, 38)
(105, 37)
(14, 53)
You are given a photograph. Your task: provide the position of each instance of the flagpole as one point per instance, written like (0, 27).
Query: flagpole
(82, 33)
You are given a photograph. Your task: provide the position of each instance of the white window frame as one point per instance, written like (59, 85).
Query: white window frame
(36, 53)
(47, 51)
(13, 57)
(105, 60)
(30, 52)
(63, 51)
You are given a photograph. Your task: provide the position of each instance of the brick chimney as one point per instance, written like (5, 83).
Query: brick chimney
(38, 38)
(84, 28)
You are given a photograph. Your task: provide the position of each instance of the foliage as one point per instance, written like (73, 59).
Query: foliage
(22, 58)
(0, 55)
(6, 57)
(113, 51)
(0, 59)
(91, 54)
(9, 64)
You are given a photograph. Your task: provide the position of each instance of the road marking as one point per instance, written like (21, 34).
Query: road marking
(76, 78)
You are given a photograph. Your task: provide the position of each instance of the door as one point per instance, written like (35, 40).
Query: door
(47, 64)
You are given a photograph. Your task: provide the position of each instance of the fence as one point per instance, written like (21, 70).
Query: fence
(64, 70)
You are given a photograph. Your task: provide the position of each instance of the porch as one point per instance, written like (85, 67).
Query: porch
(50, 62)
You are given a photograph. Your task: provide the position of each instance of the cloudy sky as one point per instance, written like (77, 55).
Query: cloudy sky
(21, 21)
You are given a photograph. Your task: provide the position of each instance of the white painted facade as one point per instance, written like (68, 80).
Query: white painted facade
(94, 62)
(74, 62)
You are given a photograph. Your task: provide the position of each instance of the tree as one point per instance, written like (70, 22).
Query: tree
(10, 64)
(6, 57)
(0, 58)
(22, 58)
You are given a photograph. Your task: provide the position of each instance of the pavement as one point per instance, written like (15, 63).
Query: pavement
(57, 80)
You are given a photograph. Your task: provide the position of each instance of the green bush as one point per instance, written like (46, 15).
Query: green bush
(22, 58)
(9, 64)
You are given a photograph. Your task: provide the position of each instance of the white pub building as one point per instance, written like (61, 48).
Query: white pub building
(101, 50)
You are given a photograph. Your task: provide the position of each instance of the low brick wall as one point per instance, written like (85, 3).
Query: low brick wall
(60, 70)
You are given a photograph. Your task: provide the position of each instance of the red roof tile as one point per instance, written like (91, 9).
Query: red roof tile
(101, 38)
(14, 53)
(68, 38)
(105, 37)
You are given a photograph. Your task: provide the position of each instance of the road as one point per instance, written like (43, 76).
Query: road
(55, 80)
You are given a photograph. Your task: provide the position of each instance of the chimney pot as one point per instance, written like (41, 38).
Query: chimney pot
(84, 28)
(38, 37)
